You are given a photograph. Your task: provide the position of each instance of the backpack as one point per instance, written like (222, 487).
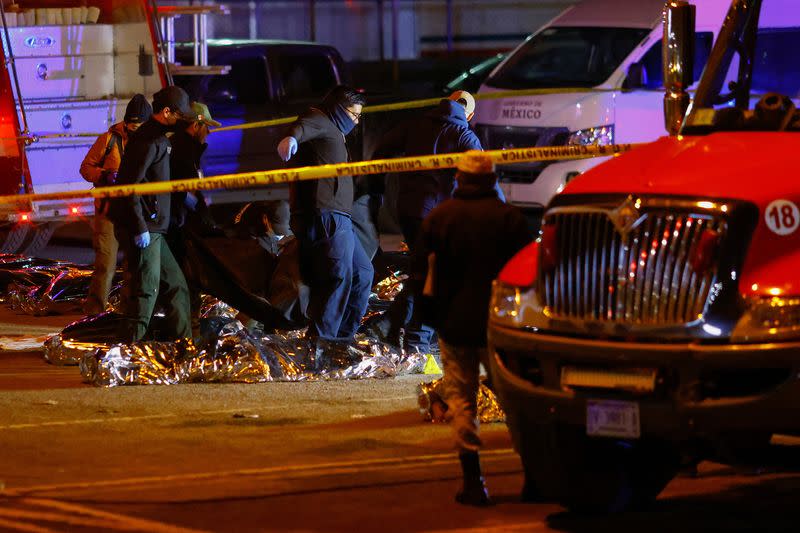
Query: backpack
(115, 139)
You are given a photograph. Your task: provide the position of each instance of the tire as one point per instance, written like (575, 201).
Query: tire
(596, 475)
(38, 238)
(14, 237)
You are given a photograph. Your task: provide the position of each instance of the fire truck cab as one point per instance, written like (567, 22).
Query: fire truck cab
(656, 321)
(69, 73)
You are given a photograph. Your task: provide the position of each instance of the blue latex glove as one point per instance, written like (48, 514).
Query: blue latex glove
(143, 240)
(191, 201)
(287, 148)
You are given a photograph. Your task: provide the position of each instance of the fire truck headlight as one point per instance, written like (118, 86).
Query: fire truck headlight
(599, 135)
(509, 304)
(768, 319)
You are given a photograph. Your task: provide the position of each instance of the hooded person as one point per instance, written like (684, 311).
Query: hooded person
(442, 130)
(332, 261)
(463, 243)
(100, 167)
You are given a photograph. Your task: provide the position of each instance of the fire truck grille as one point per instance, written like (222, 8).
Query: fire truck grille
(651, 273)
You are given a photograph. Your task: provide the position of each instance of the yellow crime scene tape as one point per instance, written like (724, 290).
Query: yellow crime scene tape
(381, 108)
(247, 180)
(414, 104)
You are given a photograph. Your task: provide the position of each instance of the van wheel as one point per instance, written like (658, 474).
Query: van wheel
(27, 239)
(14, 237)
(597, 475)
(39, 239)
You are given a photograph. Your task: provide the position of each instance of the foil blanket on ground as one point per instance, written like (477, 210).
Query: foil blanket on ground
(234, 355)
(64, 292)
(433, 407)
(22, 274)
(99, 332)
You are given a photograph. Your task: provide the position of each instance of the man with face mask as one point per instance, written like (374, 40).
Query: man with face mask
(100, 168)
(140, 223)
(188, 145)
(333, 262)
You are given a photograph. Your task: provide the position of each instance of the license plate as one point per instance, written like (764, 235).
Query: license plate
(611, 418)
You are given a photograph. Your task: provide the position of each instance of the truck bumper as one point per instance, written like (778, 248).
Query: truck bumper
(541, 188)
(701, 390)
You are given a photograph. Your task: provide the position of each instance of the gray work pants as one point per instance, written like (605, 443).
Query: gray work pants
(462, 366)
(105, 264)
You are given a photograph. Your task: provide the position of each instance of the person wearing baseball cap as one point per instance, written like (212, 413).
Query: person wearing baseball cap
(465, 99)
(188, 145)
(141, 222)
(463, 243)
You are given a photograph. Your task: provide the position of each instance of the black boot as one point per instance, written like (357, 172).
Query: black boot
(473, 491)
(530, 494)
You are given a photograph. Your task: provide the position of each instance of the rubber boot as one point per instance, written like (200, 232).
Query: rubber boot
(473, 492)
(530, 493)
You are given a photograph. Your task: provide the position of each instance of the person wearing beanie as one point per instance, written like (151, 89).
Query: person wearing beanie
(442, 130)
(100, 167)
(141, 222)
(332, 261)
(463, 243)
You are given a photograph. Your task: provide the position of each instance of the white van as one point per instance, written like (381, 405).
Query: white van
(608, 49)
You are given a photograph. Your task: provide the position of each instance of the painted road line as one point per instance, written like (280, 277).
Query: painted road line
(67, 519)
(110, 520)
(319, 469)
(536, 525)
(21, 344)
(16, 330)
(23, 526)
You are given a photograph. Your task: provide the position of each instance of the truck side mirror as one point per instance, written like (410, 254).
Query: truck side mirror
(677, 50)
(636, 77)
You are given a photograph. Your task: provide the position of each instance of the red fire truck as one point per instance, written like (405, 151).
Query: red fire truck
(69, 72)
(656, 320)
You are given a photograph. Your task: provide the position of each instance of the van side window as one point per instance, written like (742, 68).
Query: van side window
(653, 65)
(775, 64)
(246, 83)
(305, 75)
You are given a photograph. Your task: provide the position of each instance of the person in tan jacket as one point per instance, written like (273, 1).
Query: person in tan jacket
(100, 168)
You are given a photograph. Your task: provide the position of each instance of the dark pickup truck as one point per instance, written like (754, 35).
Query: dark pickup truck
(267, 80)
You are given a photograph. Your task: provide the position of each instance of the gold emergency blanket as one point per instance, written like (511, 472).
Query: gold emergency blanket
(236, 356)
(433, 407)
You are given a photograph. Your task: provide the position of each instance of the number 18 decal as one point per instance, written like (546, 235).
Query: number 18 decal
(782, 217)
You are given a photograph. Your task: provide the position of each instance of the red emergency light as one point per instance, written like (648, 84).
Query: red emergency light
(74, 210)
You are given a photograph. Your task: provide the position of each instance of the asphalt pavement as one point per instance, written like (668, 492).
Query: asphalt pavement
(311, 456)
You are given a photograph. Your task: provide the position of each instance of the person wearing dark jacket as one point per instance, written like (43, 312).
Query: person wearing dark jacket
(333, 262)
(463, 244)
(188, 145)
(140, 222)
(442, 130)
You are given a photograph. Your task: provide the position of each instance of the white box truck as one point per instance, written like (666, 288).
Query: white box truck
(599, 63)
